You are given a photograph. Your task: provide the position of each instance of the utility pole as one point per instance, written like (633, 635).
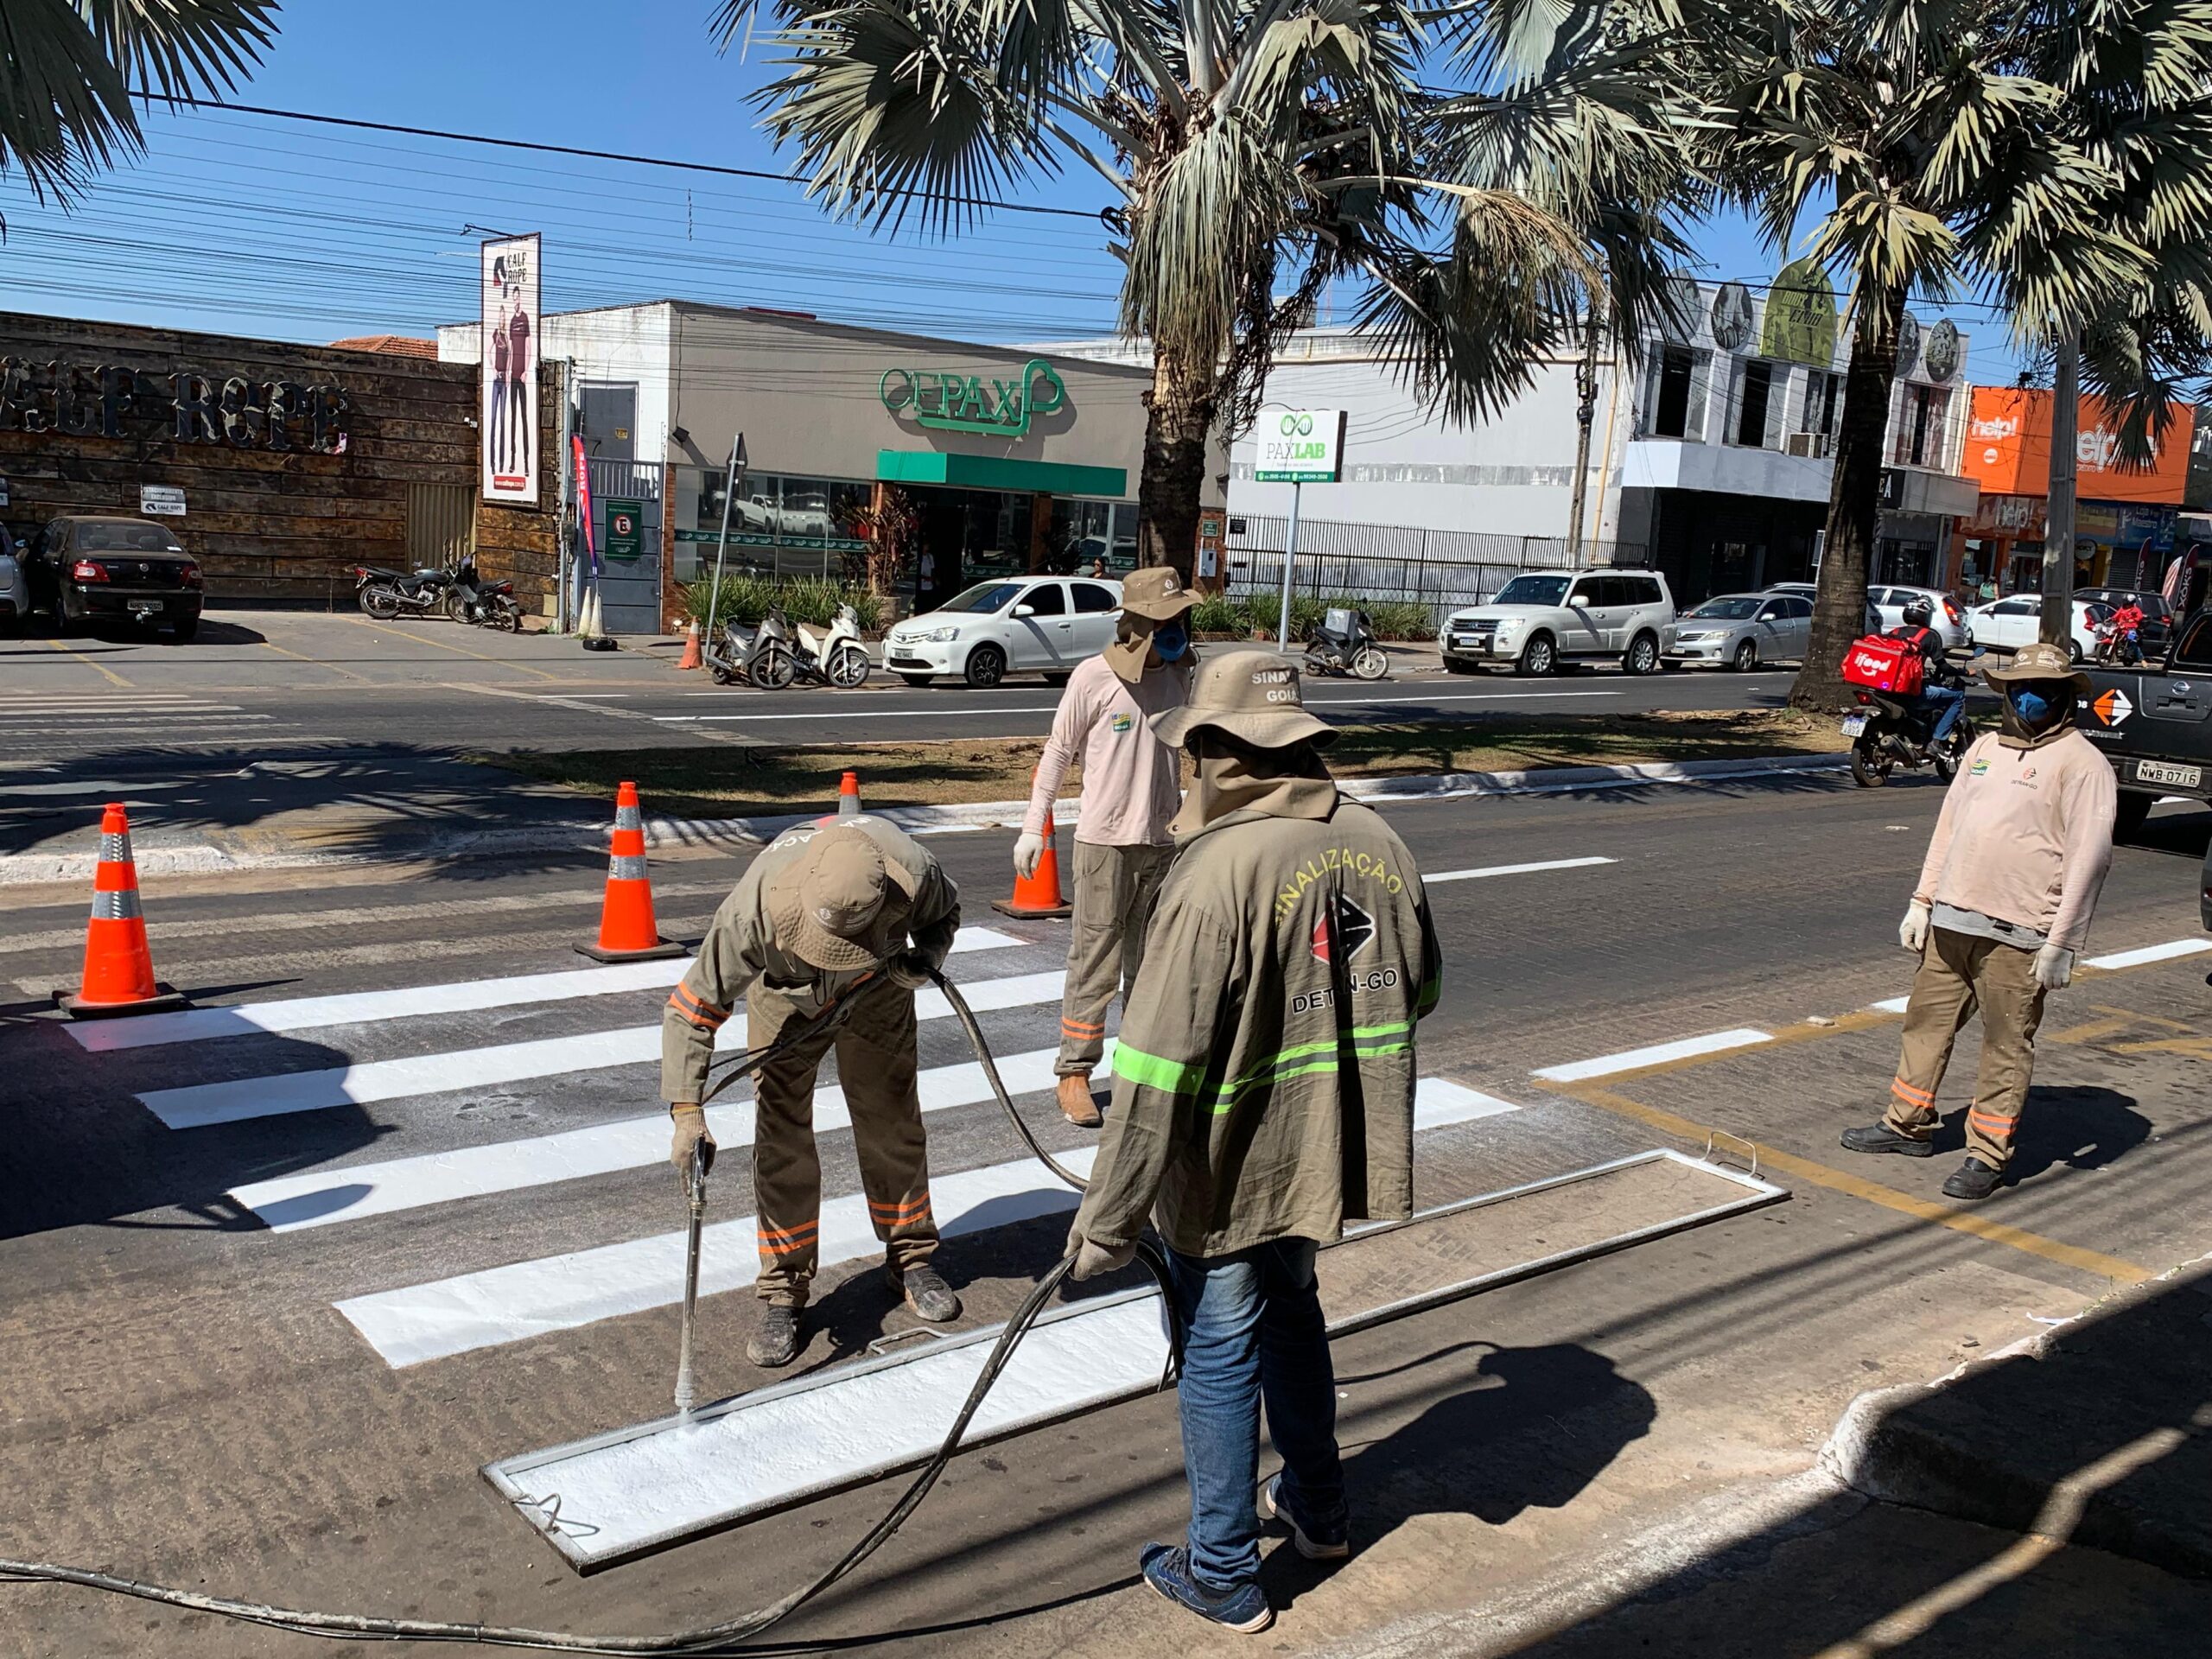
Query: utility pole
(1585, 412)
(2057, 622)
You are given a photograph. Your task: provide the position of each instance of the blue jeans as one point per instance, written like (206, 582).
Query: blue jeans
(1950, 701)
(1253, 1331)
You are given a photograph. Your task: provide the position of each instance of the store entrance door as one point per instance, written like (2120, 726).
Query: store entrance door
(967, 537)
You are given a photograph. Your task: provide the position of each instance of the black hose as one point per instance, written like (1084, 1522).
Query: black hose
(712, 1639)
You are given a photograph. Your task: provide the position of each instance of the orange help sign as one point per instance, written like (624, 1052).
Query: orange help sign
(2008, 449)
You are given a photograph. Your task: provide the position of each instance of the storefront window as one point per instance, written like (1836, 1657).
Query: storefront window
(1086, 531)
(782, 526)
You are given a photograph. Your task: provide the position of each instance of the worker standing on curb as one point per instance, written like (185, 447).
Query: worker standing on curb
(821, 910)
(2001, 911)
(1263, 1091)
(1130, 790)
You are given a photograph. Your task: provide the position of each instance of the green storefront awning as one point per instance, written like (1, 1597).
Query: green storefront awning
(990, 473)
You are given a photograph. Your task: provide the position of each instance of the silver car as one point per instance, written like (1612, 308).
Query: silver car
(1741, 630)
(14, 579)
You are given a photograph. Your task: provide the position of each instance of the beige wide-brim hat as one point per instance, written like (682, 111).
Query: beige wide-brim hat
(2039, 661)
(1156, 592)
(1254, 695)
(831, 905)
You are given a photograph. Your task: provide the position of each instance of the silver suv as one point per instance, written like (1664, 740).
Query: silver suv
(1542, 618)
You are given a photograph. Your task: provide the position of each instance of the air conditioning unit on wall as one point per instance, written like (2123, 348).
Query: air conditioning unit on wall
(1811, 445)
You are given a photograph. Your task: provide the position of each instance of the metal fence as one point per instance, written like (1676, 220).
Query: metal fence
(1443, 569)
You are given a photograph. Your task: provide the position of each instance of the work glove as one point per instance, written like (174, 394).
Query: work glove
(1092, 1260)
(909, 970)
(1028, 851)
(1912, 932)
(2054, 967)
(690, 1132)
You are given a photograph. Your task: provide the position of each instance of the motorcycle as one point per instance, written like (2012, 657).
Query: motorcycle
(838, 657)
(481, 604)
(385, 595)
(1345, 643)
(1889, 732)
(759, 656)
(2115, 645)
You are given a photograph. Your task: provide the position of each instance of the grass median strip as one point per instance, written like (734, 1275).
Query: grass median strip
(730, 780)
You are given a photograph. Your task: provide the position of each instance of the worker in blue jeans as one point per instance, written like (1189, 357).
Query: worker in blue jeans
(1263, 1093)
(1941, 691)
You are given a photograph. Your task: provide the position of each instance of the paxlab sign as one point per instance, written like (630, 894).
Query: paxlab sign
(1299, 446)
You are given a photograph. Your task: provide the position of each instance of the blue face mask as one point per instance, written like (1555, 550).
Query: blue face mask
(2031, 706)
(1171, 640)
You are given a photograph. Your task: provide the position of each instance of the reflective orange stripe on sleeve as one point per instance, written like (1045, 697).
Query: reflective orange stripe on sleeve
(705, 1015)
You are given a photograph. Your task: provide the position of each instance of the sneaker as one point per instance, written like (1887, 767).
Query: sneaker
(775, 1341)
(1973, 1180)
(1327, 1546)
(1166, 1568)
(1077, 1105)
(1880, 1137)
(928, 1295)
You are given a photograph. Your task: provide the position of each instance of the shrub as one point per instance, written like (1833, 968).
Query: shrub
(745, 597)
(1239, 614)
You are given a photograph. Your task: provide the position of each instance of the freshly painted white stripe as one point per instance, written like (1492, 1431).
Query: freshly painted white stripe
(1888, 1004)
(316, 1199)
(461, 996)
(1657, 1053)
(1514, 869)
(197, 1105)
(872, 714)
(2136, 958)
(97, 787)
(1417, 695)
(530, 1299)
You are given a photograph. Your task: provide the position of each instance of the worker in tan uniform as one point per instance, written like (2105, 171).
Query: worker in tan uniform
(856, 909)
(1130, 790)
(1263, 1092)
(2001, 911)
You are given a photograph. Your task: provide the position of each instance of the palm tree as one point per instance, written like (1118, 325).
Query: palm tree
(70, 66)
(1258, 152)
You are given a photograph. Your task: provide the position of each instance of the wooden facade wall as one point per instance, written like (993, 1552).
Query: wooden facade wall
(268, 524)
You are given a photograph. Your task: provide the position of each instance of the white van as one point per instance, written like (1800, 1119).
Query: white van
(1542, 618)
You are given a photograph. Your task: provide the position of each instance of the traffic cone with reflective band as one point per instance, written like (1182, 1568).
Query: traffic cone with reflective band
(1038, 895)
(119, 976)
(848, 796)
(690, 657)
(627, 932)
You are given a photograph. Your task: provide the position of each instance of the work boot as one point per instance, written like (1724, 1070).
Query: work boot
(1972, 1179)
(927, 1293)
(1077, 1105)
(775, 1341)
(1880, 1137)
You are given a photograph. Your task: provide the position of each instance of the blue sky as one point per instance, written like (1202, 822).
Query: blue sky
(245, 225)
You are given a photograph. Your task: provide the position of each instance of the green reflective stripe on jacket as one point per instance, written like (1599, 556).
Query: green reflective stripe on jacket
(1366, 1042)
(1154, 1072)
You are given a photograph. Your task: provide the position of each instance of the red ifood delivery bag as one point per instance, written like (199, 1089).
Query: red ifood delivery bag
(1885, 665)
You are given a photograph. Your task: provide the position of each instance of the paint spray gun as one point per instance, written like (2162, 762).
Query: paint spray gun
(696, 1190)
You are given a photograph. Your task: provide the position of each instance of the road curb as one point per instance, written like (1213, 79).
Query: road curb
(589, 836)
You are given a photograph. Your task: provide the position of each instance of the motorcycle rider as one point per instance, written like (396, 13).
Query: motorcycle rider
(1943, 691)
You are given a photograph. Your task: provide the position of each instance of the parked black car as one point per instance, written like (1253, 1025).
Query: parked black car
(86, 569)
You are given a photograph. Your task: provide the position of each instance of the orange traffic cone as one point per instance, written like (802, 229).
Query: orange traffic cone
(848, 799)
(1038, 895)
(627, 932)
(690, 657)
(118, 967)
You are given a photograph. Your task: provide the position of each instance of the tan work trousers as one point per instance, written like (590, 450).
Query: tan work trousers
(1114, 891)
(1960, 972)
(875, 1068)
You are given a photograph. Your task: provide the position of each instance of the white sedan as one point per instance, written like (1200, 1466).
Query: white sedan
(2008, 624)
(1036, 625)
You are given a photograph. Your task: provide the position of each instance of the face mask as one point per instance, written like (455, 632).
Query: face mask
(2031, 706)
(1171, 641)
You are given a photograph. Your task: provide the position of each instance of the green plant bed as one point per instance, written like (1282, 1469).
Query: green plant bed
(745, 597)
(1235, 615)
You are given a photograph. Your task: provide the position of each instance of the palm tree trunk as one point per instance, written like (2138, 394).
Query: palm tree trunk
(1854, 502)
(1179, 416)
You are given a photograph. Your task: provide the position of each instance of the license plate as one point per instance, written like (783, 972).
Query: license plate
(2157, 772)
(145, 607)
(1853, 724)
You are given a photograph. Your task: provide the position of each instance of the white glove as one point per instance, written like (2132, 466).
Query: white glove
(2054, 967)
(1027, 850)
(1912, 932)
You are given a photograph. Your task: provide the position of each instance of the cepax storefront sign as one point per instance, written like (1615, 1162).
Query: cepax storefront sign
(949, 401)
(1299, 446)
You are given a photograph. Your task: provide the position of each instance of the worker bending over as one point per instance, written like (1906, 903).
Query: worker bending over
(2002, 909)
(859, 909)
(1130, 790)
(1263, 1091)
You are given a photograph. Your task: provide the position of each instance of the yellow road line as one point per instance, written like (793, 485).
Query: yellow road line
(317, 662)
(501, 662)
(113, 677)
(1857, 1186)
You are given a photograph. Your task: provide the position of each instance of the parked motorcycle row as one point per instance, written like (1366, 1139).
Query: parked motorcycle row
(459, 594)
(773, 655)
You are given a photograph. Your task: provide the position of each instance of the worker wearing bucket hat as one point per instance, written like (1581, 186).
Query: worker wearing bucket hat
(822, 914)
(1130, 790)
(2001, 909)
(1263, 1092)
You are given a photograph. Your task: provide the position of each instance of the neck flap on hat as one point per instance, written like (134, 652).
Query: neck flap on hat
(1292, 783)
(2015, 734)
(1132, 646)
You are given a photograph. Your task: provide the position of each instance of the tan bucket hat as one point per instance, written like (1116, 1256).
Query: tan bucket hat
(831, 904)
(1252, 694)
(2039, 661)
(1156, 592)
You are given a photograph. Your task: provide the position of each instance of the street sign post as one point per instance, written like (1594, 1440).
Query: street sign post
(732, 483)
(1298, 447)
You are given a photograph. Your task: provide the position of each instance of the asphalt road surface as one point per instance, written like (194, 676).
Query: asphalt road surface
(281, 1282)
